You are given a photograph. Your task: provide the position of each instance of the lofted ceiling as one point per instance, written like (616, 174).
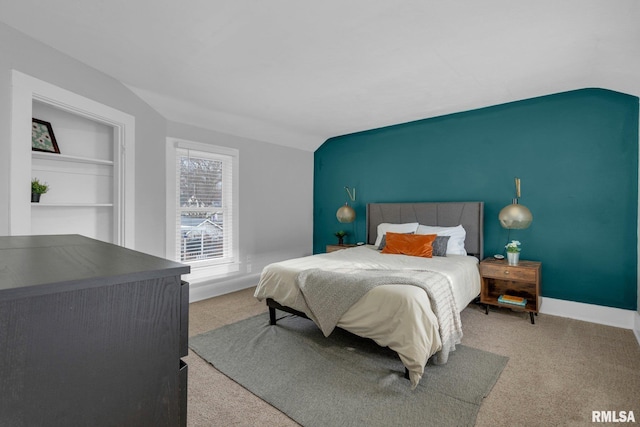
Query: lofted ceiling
(295, 72)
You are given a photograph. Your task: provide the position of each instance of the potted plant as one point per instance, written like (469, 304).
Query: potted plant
(513, 252)
(37, 188)
(340, 235)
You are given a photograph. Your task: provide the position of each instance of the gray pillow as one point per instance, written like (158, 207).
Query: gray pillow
(383, 242)
(440, 245)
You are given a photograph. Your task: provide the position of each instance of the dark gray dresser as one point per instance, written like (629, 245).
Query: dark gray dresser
(91, 334)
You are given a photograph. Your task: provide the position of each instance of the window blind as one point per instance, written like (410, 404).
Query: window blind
(204, 216)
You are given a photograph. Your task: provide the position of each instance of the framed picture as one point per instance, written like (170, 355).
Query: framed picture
(42, 137)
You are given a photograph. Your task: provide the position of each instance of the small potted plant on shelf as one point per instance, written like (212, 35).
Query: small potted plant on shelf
(340, 235)
(513, 252)
(37, 188)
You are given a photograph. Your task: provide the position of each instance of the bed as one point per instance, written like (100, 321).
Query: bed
(410, 304)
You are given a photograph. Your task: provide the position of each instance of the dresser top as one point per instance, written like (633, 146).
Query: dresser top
(38, 265)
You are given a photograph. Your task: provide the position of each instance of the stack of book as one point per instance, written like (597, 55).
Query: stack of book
(511, 300)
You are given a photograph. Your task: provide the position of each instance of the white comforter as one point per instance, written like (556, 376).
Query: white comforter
(394, 316)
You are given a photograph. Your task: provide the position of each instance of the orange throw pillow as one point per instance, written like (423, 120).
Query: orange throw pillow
(410, 244)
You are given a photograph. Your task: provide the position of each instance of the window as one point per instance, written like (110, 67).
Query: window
(204, 199)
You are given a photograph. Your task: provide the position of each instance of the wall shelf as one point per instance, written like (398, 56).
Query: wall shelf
(67, 158)
(71, 205)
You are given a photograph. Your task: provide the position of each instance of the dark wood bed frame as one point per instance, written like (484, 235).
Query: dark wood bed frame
(444, 214)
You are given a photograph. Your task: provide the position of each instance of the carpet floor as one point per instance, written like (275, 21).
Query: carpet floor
(343, 379)
(559, 370)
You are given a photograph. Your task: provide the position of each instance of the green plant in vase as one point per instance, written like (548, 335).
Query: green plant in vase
(513, 252)
(37, 188)
(340, 235)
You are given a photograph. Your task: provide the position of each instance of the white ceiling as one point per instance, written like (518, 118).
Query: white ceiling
(295, 72)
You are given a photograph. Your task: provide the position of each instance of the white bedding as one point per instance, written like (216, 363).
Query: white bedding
(395, 316)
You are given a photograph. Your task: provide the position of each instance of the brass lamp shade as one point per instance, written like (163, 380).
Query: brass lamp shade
(346, 214)
(515, 216)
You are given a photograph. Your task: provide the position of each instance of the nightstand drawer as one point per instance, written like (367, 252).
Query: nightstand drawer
(505, 272)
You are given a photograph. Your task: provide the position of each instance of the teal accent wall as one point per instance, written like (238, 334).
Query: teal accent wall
(575, 152)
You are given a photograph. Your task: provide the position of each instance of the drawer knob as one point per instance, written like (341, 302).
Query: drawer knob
(506, 272)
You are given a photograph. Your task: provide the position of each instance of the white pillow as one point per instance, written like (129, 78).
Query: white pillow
(409, 227)
(455, 246)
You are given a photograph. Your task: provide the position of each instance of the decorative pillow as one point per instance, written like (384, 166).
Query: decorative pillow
(440, 245)
(383, 243)
(409, 227)
(455, 246)
(410, 244)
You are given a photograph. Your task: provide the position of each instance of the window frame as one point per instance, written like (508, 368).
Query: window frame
(206, 269)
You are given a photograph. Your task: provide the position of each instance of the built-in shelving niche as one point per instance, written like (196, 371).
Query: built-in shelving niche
(81, 180)
(91, 179)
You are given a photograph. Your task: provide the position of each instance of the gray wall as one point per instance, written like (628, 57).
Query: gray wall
(276, 200)
(28, 56)
(276, 183)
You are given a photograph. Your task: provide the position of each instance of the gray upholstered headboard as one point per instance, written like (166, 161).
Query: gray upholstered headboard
(444, 214)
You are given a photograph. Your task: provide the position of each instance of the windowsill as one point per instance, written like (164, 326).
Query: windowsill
(203, 274)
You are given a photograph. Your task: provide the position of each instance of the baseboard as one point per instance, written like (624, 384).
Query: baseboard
(636, 327)
(627, 319)
(213, 288)
(610, 316)
(245, 278)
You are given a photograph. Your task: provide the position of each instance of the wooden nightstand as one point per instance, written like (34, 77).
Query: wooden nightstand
(522, 280)
(333, 248)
